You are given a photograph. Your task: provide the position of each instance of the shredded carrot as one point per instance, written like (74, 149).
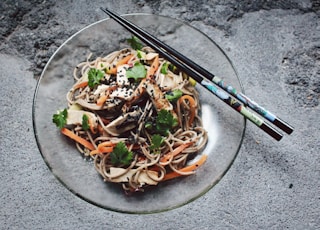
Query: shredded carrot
(91, 125)
(78, 139)
(120, 62)
(189, 168)
(81, 85)
(139, 91)
(192, 105)
(108, 149)
(104, 147)
(94, 152)
(154, 66)
(165, 158)
(102, 99)
(106, 144)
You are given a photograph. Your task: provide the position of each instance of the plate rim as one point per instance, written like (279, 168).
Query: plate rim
(209, 187)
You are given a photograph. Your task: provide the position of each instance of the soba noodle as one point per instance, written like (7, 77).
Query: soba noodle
(125, 110)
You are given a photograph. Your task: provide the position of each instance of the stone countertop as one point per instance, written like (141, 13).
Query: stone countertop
(275, 48)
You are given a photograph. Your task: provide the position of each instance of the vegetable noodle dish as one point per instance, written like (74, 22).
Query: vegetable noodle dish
(137, 116)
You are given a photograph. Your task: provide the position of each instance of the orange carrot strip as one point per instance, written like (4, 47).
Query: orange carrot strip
(154, 66)
(106, 144)
(102, 99)
(91, 125)
(81, 85)
(189, 168)
(78, 139)
(175, 152)
(120, 62)
(139, 91)
(104, 147)
(192, 104)
(94, 152)
(108, 149)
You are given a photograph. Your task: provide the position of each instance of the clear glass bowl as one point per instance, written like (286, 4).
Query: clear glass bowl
(225, 126)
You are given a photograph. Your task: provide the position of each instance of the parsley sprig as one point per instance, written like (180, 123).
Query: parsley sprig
(156, 142)
(121, 155)
(94, 77)
(138, 71)
(60, 118)
(85, 122)
(135, 43)
(163, 123)
(174, 95)
(164, 68)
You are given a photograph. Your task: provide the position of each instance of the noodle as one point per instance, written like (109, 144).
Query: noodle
(122, 110)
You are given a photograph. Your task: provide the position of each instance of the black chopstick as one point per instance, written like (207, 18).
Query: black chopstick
(240, 96)
(192, 72)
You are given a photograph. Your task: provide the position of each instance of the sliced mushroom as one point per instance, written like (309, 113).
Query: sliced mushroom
(169, 81)
(151, 56)
(100, 89)
(143, 177)
(75, 117)
(123, 123)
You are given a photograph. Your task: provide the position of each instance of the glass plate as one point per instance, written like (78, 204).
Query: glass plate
(225, 126)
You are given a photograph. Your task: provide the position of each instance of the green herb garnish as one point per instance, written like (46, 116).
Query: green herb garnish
(121, 155)
(156, 142)
(85, 122)
(165, 122)
(141, 54)
(138, 71)
(94, 77)
(164, 68)
(60, 118)
(135, 43)
(174, 95)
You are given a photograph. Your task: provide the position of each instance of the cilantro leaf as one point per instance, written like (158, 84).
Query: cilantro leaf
(138, 71)
(164, 68)
(94, 77)
(60, 118)
(173, 95)
(135, 43)
(121, 155)
(165, 122)
(157, 141)
(141, 54)
(85, 122)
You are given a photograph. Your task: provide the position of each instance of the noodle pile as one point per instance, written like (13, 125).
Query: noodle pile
(122, 109)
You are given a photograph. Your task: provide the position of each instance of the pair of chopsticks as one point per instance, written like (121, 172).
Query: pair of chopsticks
(226, 93)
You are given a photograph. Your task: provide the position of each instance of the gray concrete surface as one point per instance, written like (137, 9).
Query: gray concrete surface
(275, 47)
